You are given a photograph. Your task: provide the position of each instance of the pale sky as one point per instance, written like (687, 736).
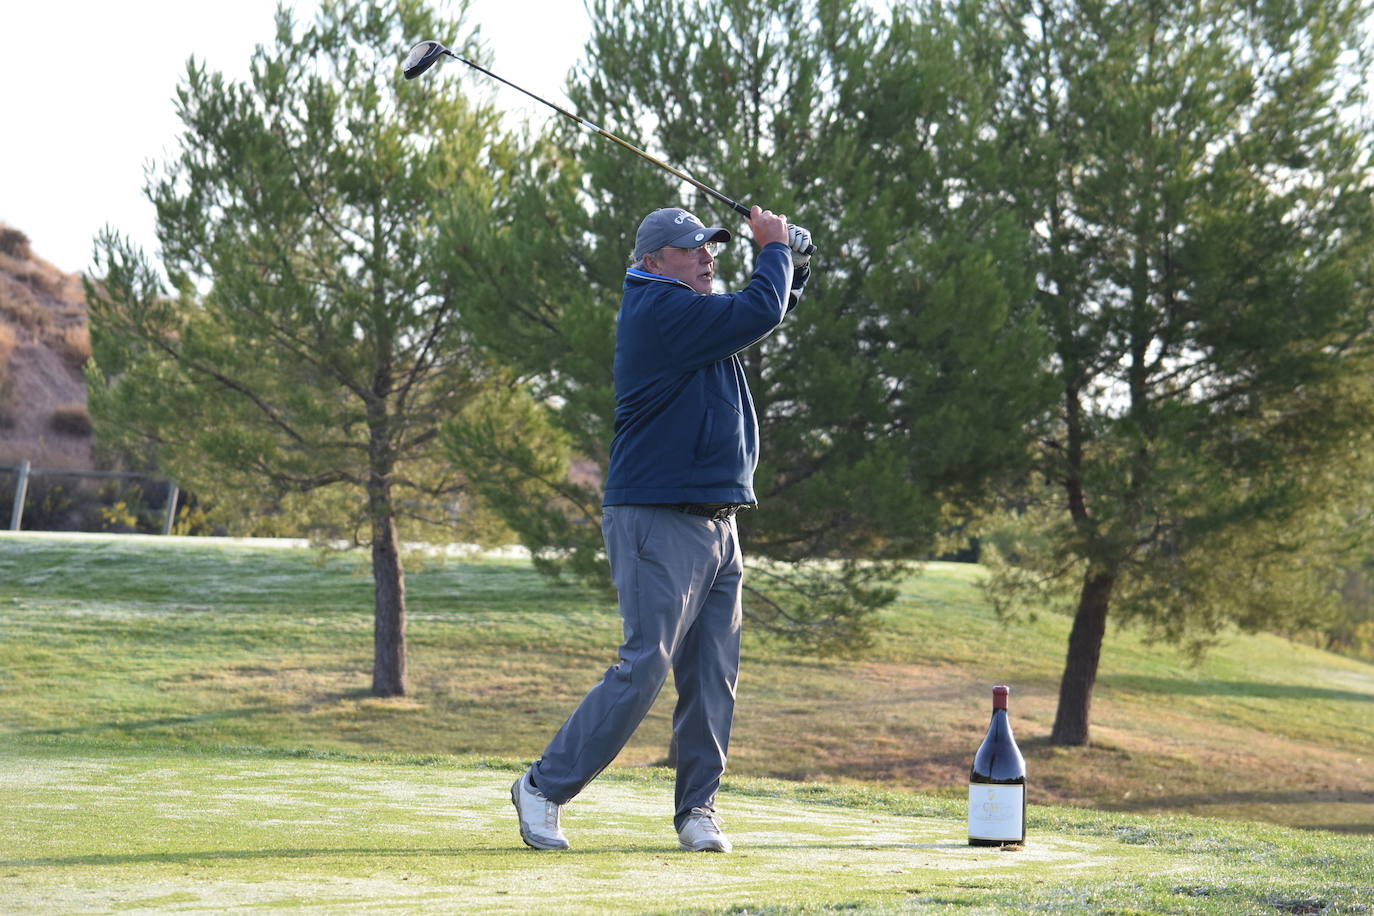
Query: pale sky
(88, 85)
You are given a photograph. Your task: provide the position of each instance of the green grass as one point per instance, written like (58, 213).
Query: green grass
(185, 727)
(168, 830)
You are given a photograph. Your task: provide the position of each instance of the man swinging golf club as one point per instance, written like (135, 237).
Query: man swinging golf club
(682, 465)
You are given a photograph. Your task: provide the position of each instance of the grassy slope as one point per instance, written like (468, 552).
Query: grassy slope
(205, 644)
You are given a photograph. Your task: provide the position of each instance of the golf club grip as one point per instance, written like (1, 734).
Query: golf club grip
(744, 211)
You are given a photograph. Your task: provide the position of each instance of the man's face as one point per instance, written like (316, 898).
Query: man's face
(694, 266)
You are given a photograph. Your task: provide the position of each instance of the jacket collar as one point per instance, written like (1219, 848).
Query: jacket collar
(634, 273)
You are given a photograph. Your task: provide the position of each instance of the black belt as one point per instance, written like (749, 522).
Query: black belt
(714, 511)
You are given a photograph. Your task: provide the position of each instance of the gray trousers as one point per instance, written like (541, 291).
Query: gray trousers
(679, 578)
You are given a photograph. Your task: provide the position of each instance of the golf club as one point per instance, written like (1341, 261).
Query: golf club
(424, 54)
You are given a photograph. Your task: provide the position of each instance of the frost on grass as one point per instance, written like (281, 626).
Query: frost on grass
(205, 833)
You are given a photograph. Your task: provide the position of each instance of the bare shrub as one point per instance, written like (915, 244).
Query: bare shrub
(8, 341)
(15, 243)
(72, 343)
(20, 268)
(20, 304)
(42, 277)
(72, 420)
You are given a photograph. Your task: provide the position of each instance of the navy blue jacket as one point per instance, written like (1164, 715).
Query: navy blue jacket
(685, 430)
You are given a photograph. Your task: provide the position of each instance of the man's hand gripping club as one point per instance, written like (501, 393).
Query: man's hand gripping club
(768, 226)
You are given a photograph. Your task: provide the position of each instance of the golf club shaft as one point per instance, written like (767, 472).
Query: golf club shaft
(587, 125)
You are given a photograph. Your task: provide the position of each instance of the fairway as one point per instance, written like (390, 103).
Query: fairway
(184, 728)
(170, 831)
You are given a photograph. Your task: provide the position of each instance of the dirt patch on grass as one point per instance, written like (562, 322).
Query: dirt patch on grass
(905, 727)
(1216, 770)
(911, 727)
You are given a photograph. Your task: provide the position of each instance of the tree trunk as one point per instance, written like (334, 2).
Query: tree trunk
(1080, 668)
(389, 631)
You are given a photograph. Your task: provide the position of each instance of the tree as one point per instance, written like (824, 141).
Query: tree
(1197, 177)
(896, 387)
(311, 344)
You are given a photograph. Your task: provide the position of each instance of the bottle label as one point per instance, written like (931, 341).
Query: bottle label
(996, 812)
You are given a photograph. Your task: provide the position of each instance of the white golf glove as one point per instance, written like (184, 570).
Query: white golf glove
(799, 240)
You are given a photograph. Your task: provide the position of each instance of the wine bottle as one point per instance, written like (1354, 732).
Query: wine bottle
(997, 783)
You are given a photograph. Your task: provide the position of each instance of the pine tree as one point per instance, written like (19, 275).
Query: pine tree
(905, 377)
(1197, 178)
(309, 345)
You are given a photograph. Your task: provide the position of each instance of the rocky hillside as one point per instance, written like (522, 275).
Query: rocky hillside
(44, 341)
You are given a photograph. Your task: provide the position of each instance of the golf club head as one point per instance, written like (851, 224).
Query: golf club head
(422, 57)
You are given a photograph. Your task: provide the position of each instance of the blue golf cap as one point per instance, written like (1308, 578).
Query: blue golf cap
(676, 227)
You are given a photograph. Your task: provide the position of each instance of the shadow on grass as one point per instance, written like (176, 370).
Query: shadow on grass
(243, 855)
(332, 698)
(1198, 802)
(1209, 688)
(105, 728)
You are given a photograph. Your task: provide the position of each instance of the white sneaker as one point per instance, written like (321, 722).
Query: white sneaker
(701, 833)
(538, 816)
